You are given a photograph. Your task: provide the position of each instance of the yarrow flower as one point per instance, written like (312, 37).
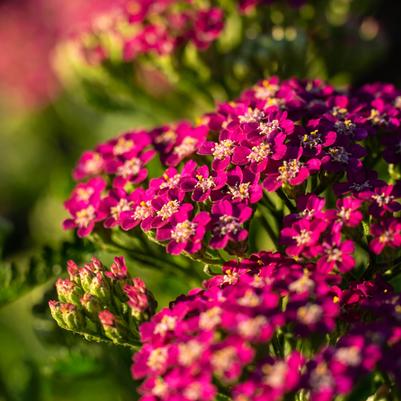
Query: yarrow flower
(244, 153)
(227, 331)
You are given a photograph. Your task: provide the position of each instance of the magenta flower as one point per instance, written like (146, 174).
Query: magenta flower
(242, 186)
(115, 206)
(141, 210)
(292, 172)
(130, 170)
(183, 233)
(90, 164)
(258, 155)
(165, 211)
(383, 200)
(302, 238)
(273, 379)
(227, 223)
(387, 233)
(178, 143)
(348, 211)
(337, 255)
(200, 182)
(84, 206)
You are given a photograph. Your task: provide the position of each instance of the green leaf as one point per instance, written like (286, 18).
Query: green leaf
(17, 277)
(363, 390)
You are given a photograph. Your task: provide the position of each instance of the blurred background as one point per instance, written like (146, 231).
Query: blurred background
(56, 101)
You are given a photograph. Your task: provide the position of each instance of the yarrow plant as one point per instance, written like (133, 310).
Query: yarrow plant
(310, 169)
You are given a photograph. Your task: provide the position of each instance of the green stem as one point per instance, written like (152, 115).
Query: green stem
(287, 202)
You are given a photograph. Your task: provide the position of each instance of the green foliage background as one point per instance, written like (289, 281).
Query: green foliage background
(38, 361)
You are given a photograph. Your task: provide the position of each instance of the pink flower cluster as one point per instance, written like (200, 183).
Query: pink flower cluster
(121, 163)
(147, 26)
(241, 332)
(291, 139)
(156, 27)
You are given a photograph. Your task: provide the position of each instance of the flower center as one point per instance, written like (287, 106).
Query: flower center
(344, 213)
(129, 168)
(382, 199)
(349, 355)
(143, 211)
(266, 91)
(387, 236)
(346, 127)
(303, 284)
(85, 216)
(94, 164)
(170, 182)
(183, 231)
(189, 352)
(240, 191)
(339, 154)
(339, 112)
(123, 206)
(204, 183)
(160, 388)
(187, 147)
(230, 277)
(166, 324)
(312, 139)
(303, 237)
(193, 392)
(253, 116)
(157, 358)
(210, 318)
(275, 375)
(168, 209)
(84, 194)
(122, 146)
(321, 378)
(166, 137)
(259, 153)
(377, 118)
(266, 128)
(227, 224)
(289, 170)
(223, 359)
(252, 327)
(223, 149)
(309, 314)
(334, 255)
(307, 213)
(249, 299)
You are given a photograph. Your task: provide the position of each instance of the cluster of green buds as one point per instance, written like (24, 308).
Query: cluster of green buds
(102, 304)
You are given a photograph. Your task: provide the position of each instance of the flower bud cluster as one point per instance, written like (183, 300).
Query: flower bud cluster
(102, 304)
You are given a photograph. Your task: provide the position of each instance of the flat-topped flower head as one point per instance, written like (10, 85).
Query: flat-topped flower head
(219, 328)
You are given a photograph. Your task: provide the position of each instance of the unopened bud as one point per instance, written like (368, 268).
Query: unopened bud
(72, 317)
(112, 329)
(68, 291)
(140, 300)
(91, 304)
(73, 271)
(86, 277)
(56, 312)
(99, 287)
(118, 270)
